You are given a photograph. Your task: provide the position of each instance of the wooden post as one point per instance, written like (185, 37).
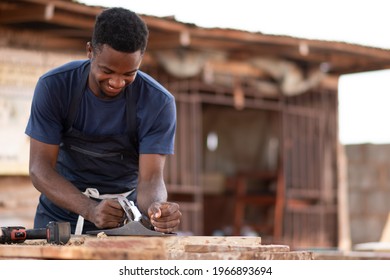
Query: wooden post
(344, 242)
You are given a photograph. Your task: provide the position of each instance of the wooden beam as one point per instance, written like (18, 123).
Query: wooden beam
(344, 230)
(48, 13)
(40, 40)
(236, 68)
(69, 6)
(35, 13)
(163, 24)
(72, 20)
(330, 82)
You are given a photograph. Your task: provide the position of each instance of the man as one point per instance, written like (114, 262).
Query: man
(101, 128)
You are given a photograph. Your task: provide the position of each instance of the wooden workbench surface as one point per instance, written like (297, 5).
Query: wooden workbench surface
(152, 248)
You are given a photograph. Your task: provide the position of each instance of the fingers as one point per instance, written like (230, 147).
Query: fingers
(165, 217)
(108, 214)
(154, 210)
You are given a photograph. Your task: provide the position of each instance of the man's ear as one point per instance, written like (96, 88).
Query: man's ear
(89, 50)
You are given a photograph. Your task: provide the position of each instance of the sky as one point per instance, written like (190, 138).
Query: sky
(363, 97)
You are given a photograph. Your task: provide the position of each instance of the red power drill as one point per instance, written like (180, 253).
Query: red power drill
(54, 233)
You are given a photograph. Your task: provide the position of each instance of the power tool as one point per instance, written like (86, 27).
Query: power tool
(54, 233)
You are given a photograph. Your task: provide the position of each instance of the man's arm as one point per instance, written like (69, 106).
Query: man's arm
(152, 194)
(45, 178)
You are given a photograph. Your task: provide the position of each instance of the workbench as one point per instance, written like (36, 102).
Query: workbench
(153, 248)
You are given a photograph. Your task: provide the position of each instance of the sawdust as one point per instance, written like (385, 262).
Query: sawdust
(101, 235)
(76, 241)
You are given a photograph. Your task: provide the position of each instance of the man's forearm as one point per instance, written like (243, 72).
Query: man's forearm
(61, 192)
(149, 192)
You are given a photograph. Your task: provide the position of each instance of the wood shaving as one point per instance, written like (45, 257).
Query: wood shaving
(101, 235)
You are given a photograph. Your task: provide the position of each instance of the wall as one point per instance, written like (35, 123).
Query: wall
(369, 190)
(18, 201)
(19, 72)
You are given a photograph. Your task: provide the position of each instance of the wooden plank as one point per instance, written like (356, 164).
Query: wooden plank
(249, 255)
(178, 242)
(110, 248)
(152, 248)
(196, 248)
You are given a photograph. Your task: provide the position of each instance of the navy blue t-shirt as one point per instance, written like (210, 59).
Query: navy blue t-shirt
(155, 118)
(155, 110)
(49, 122)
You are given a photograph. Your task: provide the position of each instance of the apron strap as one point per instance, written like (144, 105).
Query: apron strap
(94, 193)
(76, 98)
(131, 114)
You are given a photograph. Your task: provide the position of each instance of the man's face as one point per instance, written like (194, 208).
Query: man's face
(111, 70)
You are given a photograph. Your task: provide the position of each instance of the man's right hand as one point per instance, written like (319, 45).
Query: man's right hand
(108, 213)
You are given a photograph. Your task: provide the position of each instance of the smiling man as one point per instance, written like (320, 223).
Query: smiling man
(101, 128)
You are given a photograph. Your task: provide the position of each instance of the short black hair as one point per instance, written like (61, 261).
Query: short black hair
(121, 29)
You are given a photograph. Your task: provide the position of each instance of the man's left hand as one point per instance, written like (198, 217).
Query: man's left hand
(164, 216)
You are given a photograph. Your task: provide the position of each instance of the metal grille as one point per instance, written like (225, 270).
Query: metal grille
(306, 199)
(310, 167)
(183, 169)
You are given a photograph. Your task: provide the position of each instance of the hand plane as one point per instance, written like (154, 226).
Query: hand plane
(135, 223)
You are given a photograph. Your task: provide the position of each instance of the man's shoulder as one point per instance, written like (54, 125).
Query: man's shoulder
(146, 81)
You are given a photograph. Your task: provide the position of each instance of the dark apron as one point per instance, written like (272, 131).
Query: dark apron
(106, 163)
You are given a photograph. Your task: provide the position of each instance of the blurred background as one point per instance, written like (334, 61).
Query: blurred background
(281, 111)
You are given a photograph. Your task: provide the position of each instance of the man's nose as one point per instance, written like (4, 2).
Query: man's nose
(116, 82)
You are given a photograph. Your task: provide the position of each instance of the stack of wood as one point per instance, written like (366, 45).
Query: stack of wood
(153, 248)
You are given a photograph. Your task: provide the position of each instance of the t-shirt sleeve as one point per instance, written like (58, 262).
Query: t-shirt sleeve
(160, 136)
(45, 123)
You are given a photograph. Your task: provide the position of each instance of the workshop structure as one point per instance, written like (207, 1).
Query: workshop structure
(257, 146)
